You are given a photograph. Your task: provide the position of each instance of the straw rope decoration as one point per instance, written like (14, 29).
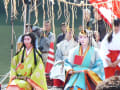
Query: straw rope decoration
(23, 12)
(73, 18)
(79, 5)
(36, 12)
(53, 24)
(85, 10)
(35, 8)
(82, 2)
(15, 9)
(66, 14)
(48, 9)
(50, 12)
(43, 13)
(75, 11)
(64, 11)
(6, 2)
(59, 10)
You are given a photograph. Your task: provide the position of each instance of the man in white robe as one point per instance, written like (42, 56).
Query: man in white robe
(58, 72)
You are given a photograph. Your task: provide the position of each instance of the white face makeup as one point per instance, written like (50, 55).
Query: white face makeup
(83, 40)
(27, 41)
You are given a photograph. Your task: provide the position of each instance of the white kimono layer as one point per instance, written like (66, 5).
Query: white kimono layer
(58, 72)
(113, 45)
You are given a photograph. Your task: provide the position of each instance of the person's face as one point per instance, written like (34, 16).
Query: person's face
(27, 41)
(83, 40)
(69, 35)
(27, 30)
(47, 26)
(116, 29)
(63, 28)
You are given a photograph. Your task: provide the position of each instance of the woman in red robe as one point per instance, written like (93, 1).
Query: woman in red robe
(110, 48)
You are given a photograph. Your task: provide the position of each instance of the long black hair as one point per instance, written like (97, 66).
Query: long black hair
(116, 24)
(32, 36)
(110, 37)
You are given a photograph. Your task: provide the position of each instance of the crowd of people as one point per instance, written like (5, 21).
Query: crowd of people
(81, 62)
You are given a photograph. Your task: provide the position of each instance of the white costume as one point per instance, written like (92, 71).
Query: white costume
(106, 46)
(62, 52)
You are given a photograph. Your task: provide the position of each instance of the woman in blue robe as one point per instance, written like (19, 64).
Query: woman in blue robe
(83, 62)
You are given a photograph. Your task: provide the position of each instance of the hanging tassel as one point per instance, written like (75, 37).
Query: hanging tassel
(53, 24)
(66, 14)
(15, 9)
(44, 17)
(48, 9)
(59, 11)
(6, 2)
(23, 7)
(73, 19)
(36, 12)
(43, 12)
(75, 10)
(83, 23)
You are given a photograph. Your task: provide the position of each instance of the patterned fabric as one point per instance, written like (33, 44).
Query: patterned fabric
(28, 69)
(91, 62)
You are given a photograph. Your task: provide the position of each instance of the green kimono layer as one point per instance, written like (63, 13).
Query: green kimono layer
(29, 69)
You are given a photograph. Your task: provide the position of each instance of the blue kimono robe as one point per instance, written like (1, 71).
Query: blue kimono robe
(91, 61)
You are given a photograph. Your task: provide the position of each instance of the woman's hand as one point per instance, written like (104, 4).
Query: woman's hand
(13, 77)
(97, 36)
(110, 64)
(116, 63)
(71, 72)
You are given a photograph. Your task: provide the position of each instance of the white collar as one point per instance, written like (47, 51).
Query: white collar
(28, 51)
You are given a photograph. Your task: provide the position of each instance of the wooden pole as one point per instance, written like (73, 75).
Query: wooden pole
(25, 13)
(12, 24)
